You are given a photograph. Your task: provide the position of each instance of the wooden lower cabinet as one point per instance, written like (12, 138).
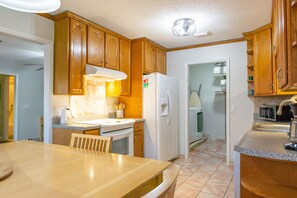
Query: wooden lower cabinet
(138, 139)
(62, 136)
(263, 177)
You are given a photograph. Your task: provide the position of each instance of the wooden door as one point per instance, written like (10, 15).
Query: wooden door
(150, 58)
(125, 66)
(281, 60)
(95, 53)
(161, 61)
(112, 52)
(263, 63)
(77, 56)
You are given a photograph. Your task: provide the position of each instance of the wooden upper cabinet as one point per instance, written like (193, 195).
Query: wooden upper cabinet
(77, 56)
(125, 66)
(70, 56)
(150, 58)
(112, 52)
(263, 73)
(280, 34)
(161, 61)
(285, 37)
(95, 53)
(291, 13)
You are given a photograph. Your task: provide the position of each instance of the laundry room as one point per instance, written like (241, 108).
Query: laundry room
(207, 103)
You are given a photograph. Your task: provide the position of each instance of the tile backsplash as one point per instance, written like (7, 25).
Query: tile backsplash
(274, 100)
(94, 102)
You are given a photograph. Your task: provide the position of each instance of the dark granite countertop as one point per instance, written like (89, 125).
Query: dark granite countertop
(265, 144)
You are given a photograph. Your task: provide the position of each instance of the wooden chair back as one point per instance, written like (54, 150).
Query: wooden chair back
(167, 188)
(91, 142)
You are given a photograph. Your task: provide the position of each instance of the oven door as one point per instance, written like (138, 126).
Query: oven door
(122, 141)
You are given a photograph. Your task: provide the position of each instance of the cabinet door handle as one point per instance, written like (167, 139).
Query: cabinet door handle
(277, 74)
(294, 44)
(294, 3)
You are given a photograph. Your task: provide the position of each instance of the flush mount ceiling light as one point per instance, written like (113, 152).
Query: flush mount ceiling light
(184, 27)
(32, 6)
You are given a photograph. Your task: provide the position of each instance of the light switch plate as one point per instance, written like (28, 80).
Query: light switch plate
(233, 109)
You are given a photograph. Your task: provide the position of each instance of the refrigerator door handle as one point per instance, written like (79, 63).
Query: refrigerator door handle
(169, 106)
(164, 106)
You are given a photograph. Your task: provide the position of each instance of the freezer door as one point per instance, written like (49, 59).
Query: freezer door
(149, 114)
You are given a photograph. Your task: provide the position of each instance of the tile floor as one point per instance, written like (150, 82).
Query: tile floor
(205, 174)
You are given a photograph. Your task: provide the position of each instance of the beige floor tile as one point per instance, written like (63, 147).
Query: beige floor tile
(207, 195)
(205, 173)
(180, 180)
(218, 189)
(186, 191)
(188, 169)
(229, 193)
(218, 177)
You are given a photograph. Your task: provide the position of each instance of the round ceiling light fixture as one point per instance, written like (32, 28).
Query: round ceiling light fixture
(32, 6)
(184, 27)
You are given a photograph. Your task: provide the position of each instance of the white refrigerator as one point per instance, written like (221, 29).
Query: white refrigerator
(160, 111)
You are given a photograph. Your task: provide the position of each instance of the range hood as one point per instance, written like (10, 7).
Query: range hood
(103, 74)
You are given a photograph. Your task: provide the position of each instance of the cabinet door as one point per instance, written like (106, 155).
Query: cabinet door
(138, 139)
(263, 63)
(92, 132)
(77, 56)
(161, 61)
(63, 136)
(125, 66)
(95, 54)
(150, 58)
(281, 59)
(112, 52)
(138, 144)
(292, 43)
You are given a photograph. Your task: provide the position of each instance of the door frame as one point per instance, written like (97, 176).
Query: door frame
(186, 82)
(16, 102)
(48, 80)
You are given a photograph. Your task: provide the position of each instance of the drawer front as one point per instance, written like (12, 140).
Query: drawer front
(138, 126)
(92, 132)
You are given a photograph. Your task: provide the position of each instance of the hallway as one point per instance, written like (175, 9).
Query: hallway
(205, 174)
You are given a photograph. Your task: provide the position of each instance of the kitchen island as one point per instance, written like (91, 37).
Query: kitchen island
(48, 170)
(263, 167)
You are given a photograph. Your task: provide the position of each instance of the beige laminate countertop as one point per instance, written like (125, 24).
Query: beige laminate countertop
(48, 170)
(266, 145)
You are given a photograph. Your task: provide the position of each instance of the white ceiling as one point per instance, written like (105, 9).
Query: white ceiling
(226, 19)
(19, 50)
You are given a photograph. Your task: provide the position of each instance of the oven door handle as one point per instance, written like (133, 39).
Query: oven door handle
(121, 134)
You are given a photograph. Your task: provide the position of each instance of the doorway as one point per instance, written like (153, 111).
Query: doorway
(218, 107)
(7, 104)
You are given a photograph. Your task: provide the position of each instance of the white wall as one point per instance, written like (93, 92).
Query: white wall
(29, 83)
(240, 120)
(214, 105)
(38, 29)
(33, 26)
